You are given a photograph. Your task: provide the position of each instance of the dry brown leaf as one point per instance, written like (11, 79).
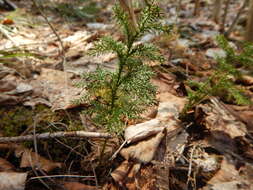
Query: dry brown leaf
(78, 186)
(88, 63)
(58, 88)
(143, 151)
(6, 86)
(247, 118)
(144, 130)
(244, 114)
(228, 178)
(8, 100)
(7, 21)
(145, 180)
(121, 172)
(166, 114)
(110, 186)
(32, 159)
(174, 103)
(12, 181)
(163, 85)
(219, 119)
(247, 80)
(4, 71)
(134, 170)
(5, 165)
(170, 108)
(78, 39)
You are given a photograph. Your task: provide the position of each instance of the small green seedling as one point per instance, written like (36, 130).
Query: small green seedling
(114, 97)
(221, 82)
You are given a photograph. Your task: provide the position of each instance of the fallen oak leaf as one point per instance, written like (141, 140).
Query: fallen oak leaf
(32, 159)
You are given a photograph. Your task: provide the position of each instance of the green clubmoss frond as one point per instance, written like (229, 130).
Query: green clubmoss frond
(108, 44)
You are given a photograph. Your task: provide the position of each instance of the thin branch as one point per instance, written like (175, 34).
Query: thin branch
(225, 15)
(59, 176)
(52, 28)
(228, 32)
(62, 51)
(81, 134)
(93, 168)
(34, 167)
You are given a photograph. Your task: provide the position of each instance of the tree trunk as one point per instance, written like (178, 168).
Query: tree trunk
(217, 11)
(249, 29)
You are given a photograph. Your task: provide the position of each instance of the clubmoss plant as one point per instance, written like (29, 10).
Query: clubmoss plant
(221, 82)
(114, 97)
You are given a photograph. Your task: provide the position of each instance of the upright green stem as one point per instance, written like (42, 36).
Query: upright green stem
(116, 86)
(122, 63)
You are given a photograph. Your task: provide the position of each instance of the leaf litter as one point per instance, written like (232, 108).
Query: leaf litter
(212, 150)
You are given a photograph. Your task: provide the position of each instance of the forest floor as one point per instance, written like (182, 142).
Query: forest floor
(44, 50)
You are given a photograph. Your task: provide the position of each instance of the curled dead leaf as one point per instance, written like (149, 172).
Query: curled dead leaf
(12, 180)
(144, 130)
(143, 151)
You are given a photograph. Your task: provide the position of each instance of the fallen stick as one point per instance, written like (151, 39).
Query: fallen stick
(81, 134)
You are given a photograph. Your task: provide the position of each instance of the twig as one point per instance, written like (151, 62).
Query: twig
(119, 149)
(71, 149)
(93, 168)
(81, 134)
(34, 167)
(102, 152)
(225, 16)
(178, 7)
(60, 41)
(51, 26)
(189, 178)
(60, 176)
(228, 32)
